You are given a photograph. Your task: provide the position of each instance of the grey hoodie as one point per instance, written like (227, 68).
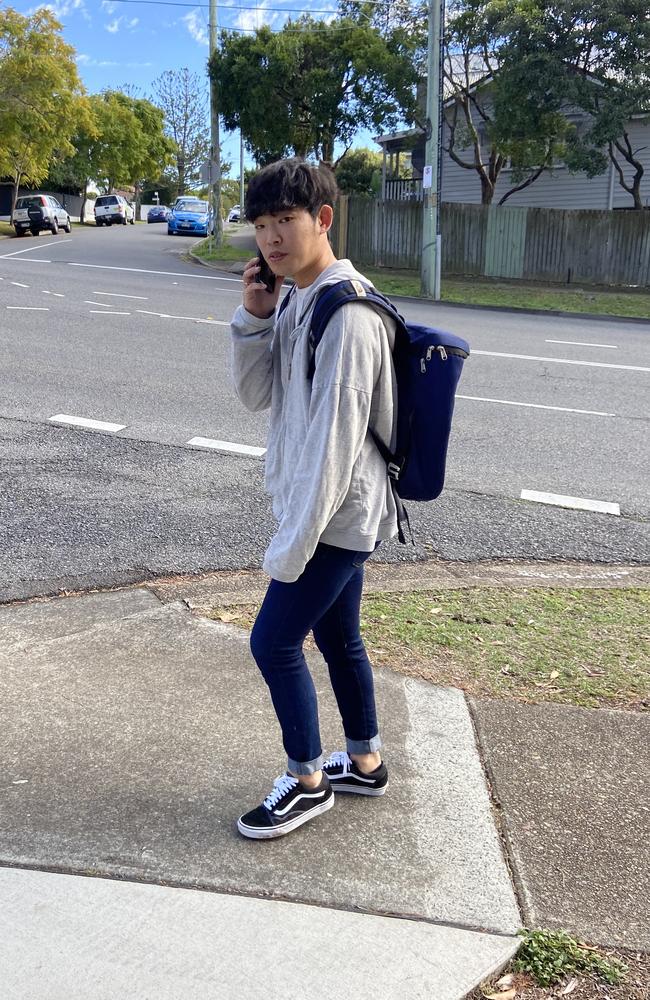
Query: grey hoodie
(323, 469)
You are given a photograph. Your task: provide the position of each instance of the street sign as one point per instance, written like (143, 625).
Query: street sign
(427, 177)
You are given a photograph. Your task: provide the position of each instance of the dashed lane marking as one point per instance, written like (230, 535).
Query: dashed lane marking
(537, 406)
(97, 425)
(229, 446)
(119, 295)
(574, 503)
(89, 302)
(19, 284)
(102, 312)
(579, 343)
(143, 270)
(31, 308)
(563, 361)
(192, 319)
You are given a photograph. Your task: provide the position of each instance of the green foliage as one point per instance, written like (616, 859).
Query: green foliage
(183, 97)
(549, 956)
(311, 85)
(41, 97)
(130, 142)
(356, 172)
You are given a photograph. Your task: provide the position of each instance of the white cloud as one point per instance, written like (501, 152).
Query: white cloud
(109, 7)
(121, 22)
(85, 60)
(61, 8)
(196, 26)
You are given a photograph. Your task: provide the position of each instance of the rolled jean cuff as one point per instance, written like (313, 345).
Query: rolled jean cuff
(363, 746)
(310, 767)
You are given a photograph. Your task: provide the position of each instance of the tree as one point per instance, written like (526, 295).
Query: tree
(183, 98)
(591, 55)
(359, 172)
(41, 97)
(311, 85)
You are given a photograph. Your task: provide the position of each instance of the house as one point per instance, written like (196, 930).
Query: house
(554, 188)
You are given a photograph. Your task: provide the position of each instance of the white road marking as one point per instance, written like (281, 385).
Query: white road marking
(102, 312)
(59, 295)
(34, 249)
(563, 361)
(143, 270)
(575, 503)
(238, 449)
(98, 425)
(32, 308)
(579, 343)
(193, 319)
(119, 295)
(89, 302)
(19, 284)
(537, 406)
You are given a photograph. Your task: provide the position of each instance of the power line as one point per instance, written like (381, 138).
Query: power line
(225, 7)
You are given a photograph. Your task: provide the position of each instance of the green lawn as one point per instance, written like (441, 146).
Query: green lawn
(586, 647)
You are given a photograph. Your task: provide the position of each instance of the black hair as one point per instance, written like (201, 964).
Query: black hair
(290, 183)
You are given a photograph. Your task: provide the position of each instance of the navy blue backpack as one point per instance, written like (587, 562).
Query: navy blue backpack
(428, 364)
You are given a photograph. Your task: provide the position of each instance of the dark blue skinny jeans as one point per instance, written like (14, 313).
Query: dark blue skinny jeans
(325, 599)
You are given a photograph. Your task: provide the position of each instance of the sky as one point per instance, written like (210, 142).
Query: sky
(132, 42)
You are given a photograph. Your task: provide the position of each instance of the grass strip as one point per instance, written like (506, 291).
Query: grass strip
(586, 647)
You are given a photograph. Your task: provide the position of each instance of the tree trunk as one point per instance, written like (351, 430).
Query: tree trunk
(487, 188)
(628, 154)
(180, 163)
(14, 193)
(84, 199)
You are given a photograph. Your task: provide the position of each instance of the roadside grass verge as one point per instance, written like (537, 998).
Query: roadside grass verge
(586, 647)
(481, 293)
(6, 229)
(226, 252)
(553, 299)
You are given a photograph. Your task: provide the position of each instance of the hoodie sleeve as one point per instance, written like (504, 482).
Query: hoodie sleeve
(347, 365)
(252, 340)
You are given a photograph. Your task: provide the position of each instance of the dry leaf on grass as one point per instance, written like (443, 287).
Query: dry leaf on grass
(553, 674)
(506, 981)
(228, 616)
(569, 988)
(507, 995)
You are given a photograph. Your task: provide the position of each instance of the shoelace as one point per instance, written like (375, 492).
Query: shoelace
(340, 758)
(285, 783)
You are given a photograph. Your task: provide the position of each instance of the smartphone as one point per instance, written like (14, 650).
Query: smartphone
(266, 275)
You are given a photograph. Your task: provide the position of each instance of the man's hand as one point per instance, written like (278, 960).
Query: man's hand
(257, 299)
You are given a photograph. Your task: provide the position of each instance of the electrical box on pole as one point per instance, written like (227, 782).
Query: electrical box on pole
(431, 178)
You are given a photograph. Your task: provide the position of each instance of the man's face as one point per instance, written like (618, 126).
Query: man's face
(293, 241)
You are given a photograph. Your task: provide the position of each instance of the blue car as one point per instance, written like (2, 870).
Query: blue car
(159, 213)
(190, 216)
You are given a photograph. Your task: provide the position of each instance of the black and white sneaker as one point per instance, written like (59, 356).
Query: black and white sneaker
(345, 776)
(287, 807)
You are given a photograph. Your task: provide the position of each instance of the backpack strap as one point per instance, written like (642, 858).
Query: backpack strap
(333, 297)
(285, 302)
(327, 302)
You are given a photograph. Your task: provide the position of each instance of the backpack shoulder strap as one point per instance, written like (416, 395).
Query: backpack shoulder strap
(332, 297)
(285, 302)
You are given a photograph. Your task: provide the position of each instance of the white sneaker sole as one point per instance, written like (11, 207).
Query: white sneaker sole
(339, 786)
(270, 833)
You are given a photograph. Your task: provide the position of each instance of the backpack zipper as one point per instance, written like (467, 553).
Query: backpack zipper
(427, 357)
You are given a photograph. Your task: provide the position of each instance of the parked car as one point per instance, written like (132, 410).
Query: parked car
(37, 212)
(234, 215)
(113, 208)
(190, 216)
(159, 213)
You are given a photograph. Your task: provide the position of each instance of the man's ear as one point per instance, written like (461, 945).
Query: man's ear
(325, 218)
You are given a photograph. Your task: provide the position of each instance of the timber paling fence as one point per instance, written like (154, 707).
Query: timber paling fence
(534, 244)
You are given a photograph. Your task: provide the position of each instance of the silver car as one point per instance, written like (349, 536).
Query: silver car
(35, 212)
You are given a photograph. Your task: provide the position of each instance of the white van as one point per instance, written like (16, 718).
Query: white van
(113, 208)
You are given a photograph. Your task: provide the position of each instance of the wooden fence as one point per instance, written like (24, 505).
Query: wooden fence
(533, 244)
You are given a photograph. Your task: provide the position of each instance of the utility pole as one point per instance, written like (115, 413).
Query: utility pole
(241, 173)
(215, 156)
(431, 243)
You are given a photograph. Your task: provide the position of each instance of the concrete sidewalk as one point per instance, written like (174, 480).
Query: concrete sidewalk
(132, 734)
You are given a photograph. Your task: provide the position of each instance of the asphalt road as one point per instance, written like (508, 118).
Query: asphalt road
(115, 325)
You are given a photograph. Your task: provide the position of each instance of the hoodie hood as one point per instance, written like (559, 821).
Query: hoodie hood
(340, 270)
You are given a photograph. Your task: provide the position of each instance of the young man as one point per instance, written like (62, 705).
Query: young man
(330, 489)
